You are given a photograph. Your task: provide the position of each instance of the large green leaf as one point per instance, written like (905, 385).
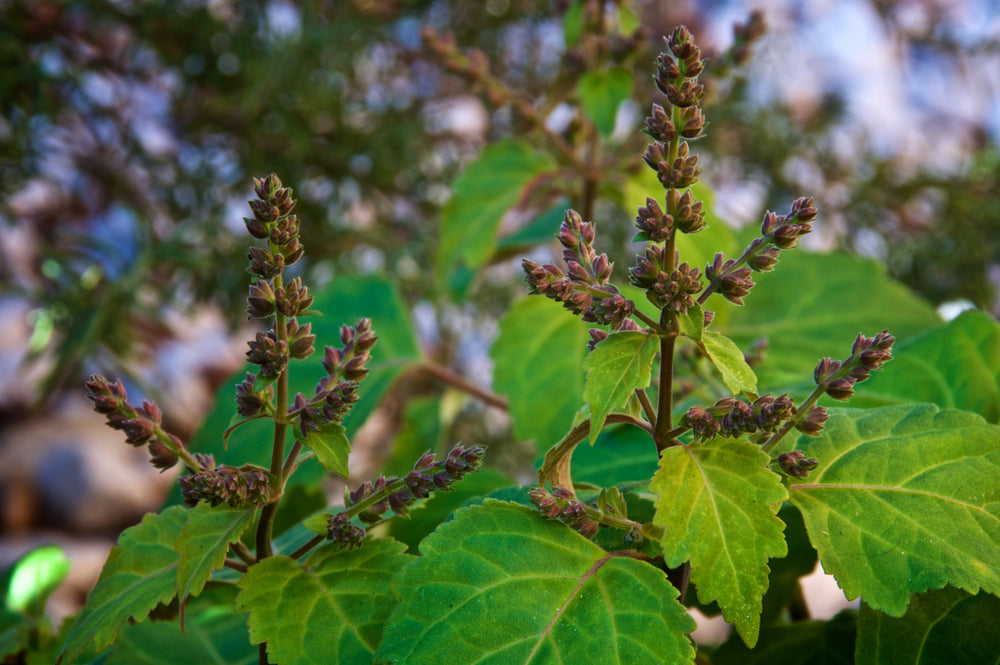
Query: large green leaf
(601, 93)
(214, 633)
(501, 585)
(140, 573)
(729, 361)
(204, 541)
(814, 305)
(941, 627)
(331, 608)
(617, 366)
(539, 367)
(622, 454)
(481, 196)
(905, 499)
(717, 505)
(802, 643)
(344, 301)
(954, 366)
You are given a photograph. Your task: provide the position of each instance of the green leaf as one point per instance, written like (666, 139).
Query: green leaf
(954, 366)
(213, 633)
(573, 23)
(345, 300)
(499, 584)
(692, 323)
(621, 454)
(615, 368)
(140, 573)
(542, 229)
(331, 608)
(904, 499)
(204, 541)
(539, 367)
(783, 587)
(717, 503)
(331, 445)
(941, 627)
(601, 92)
(803, 643)
(490, 186)
(729, 360)
(814, 305)
(30, 580)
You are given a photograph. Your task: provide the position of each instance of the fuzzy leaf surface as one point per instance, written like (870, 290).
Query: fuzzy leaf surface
(729, 360)
(941, 627)
(601, 92)
(140, 573)
(204, 541)
(615, 368)
(332, 447)
(956, 366)
(538, 357)
(499, 584)
(481, 196)
(904, 499)
(331, 608)
(717, 503)
(814, 305)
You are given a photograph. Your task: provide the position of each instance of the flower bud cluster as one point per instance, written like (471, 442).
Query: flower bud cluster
(745, 34)
(142, 425)
(584, 288)
(239, 487)
(379, 496)
(329, 405)
(796, 463)
(674, 290)
(341, 531)
(349, 360)
(272, 221)
(731, 418)
(733, 281)
(868, 353)
(561, 504)
(249, 401)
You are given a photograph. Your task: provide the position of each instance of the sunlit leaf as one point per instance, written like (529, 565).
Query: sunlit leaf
(499, 584)
(601, 92)
(331, 608)
(331, 445)
(615, 368)
(32, 578)
(204, 541)
(717, 503)
(904, 499)
(728, 359)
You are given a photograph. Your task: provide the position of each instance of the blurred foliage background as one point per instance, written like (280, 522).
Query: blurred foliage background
(129, 131)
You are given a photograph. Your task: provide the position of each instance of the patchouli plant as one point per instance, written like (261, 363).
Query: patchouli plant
(678, 483)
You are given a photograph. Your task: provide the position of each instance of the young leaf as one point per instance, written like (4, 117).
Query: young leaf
(481, 196)
(943, 626)
(615, 368)
(717, 503)
(331, 445)
(140, 573)
(331, 608)
(501, 584)
(204, 541)
(538, 356)
(954, 366)
(601, 92)
(904, 499)
(729, 360)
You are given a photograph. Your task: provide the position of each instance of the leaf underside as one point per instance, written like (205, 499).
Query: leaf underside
(717, 503)
(501, 585)
(905, 499)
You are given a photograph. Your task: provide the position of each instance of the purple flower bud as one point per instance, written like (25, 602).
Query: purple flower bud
(813, 423)
(842, 388)
(825, 369)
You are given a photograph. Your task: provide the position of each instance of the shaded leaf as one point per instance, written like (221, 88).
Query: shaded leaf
(783, 589)
(601, 92)
(481, 196)
(814, 305)
(615, 368)
(573, 23)
(904, 499)
(622, 454)
(941, 627)
(331, 608)
(539, 367)
(499, 584)
(204, 541)
(140, 573)
(540, 230)
(717, 503)
(956, 365)
(803, 643)
(331, 445)
(729, 360)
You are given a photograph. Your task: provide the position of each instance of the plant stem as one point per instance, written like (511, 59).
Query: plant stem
(238, 566)
(647, 406)
(800, 413)
(266, 523)
(241, 551)
(456, 380)
(302, 551)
